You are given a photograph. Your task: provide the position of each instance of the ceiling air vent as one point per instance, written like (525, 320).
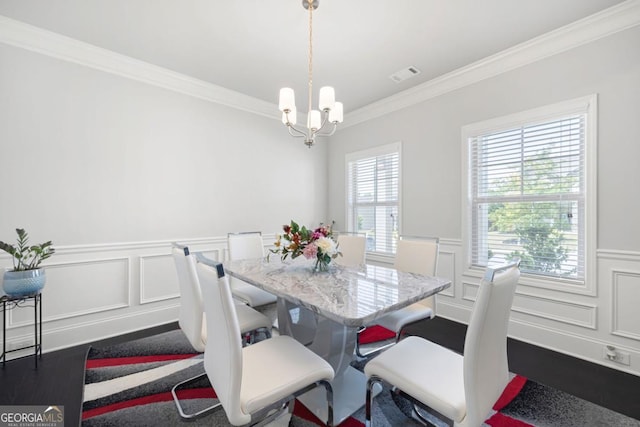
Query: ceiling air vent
(404, 74)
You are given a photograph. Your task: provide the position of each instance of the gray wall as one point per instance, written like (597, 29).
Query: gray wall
(113, 170)
(562, 319)
(90, 157)
(430, 134)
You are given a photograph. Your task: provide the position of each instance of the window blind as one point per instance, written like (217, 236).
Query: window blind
(527, 190)
(373, 199)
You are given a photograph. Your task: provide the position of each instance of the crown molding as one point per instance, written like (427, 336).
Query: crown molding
(609, 21)
(617, 18)
(52, 44)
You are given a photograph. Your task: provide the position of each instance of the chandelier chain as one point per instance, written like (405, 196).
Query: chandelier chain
(310, 53)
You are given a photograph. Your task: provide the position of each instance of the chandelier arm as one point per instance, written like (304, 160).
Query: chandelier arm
(329, 133)
(298, 132)
(325, 116)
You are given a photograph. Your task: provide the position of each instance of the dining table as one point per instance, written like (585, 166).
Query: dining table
(324, 310)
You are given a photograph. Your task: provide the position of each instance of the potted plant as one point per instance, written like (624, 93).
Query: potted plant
(27, 277)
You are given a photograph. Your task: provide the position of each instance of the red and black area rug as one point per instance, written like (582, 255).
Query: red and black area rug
(130, 385)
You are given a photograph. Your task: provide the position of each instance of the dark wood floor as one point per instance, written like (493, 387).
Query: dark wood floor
(59, 378)
(60, 375)
(603, 386)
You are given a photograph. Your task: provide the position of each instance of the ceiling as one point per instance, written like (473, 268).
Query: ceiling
(255, 47)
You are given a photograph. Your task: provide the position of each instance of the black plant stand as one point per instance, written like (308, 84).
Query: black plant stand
(9, 303)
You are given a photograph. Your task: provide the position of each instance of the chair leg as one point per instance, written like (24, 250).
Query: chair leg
(266, 415)
(329, 389)
(418, 406)
(265, 331)
(371, 382)
(384, 347)
(198, 414)
(420, 418)
(250, 337)
(264, 420)
(359, 353)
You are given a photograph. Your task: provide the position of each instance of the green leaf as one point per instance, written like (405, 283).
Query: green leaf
(10, 249)
(27, 257)
(304, 233)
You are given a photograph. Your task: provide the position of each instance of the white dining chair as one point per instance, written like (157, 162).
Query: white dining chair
(352, 247)
(192, 318)
(417, 255)
(251, 382)
(247, 245)
(465, 387)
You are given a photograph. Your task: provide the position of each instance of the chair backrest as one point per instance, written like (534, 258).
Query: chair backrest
(191, 308)
(223, 354)
(352, 247)
(486, 370)
(419, 255)
(245, 245)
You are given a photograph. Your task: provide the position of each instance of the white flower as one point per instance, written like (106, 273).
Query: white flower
(326, 246)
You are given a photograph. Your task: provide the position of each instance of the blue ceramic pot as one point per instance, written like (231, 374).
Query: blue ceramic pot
(23, 283)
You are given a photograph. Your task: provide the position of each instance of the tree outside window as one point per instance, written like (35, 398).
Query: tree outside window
(527, 196)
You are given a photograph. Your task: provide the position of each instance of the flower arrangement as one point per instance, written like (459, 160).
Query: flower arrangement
(315, 244)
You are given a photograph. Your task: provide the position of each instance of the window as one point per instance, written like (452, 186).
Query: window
(531, 190)
(373, 196)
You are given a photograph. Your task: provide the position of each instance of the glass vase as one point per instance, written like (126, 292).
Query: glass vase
(321, 265)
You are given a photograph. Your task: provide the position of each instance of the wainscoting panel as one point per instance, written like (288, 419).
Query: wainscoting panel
(625, 302)
(543, 307)
(580, 325)
(95, 292)
(80, 288)
(98, 291)
(469, 291)
(158, 278)
(558, 310)
(447, 268)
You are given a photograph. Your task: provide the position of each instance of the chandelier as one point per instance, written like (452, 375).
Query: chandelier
(329, 111)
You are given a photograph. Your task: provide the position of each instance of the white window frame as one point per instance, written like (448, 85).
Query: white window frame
(395, 147)
(587, 105)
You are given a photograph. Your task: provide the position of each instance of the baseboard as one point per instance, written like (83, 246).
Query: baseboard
(561, 341)
(92, 331)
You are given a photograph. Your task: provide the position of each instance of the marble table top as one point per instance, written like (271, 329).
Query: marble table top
(353, 296)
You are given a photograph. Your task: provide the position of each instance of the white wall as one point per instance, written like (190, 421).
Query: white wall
(112, 170)
(431, 166)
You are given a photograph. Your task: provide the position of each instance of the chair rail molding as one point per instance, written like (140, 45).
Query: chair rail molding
(619, 255)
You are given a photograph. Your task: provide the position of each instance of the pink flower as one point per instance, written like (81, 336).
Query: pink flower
(322, 231)
(316, 235)
(310, 251)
